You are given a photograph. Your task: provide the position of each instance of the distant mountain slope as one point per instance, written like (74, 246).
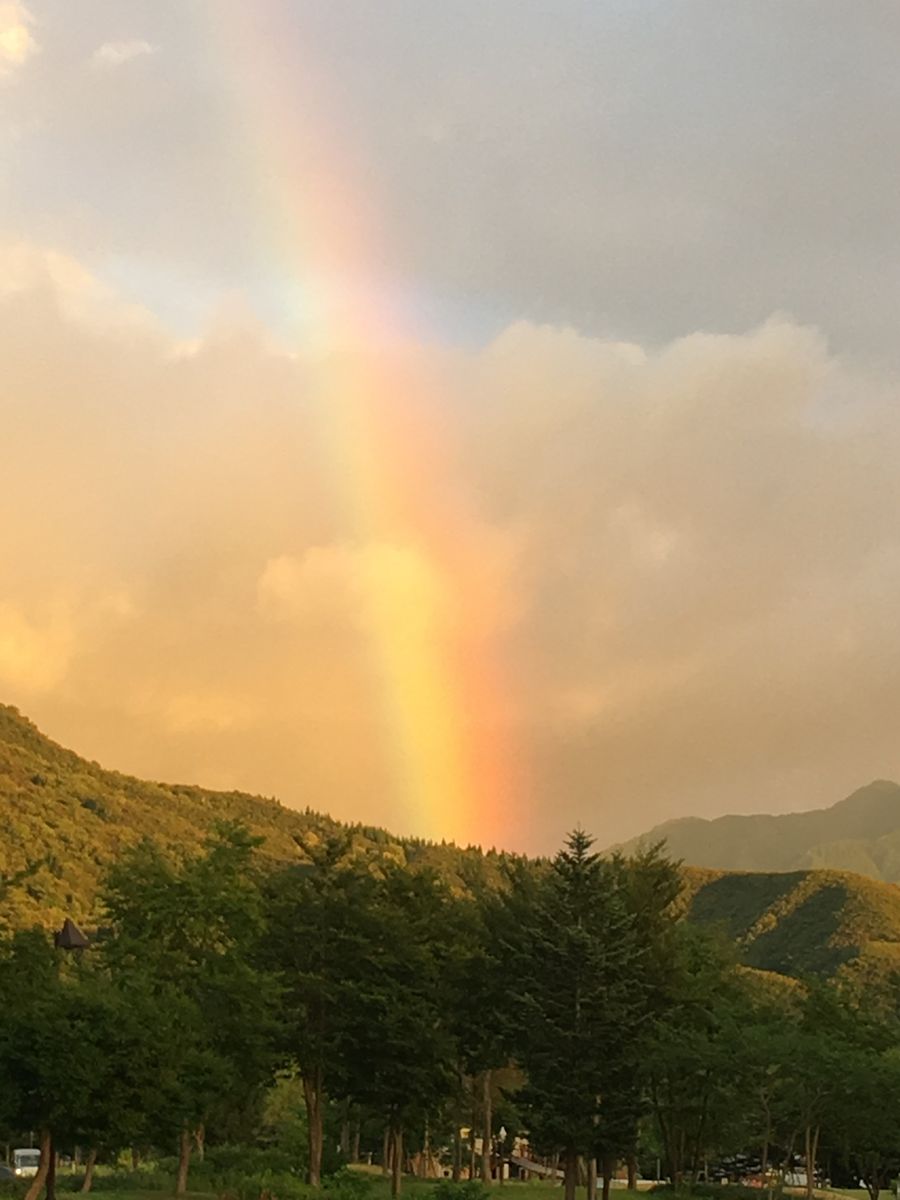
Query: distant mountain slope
(861, 834)
(801, 923)
(75, 818)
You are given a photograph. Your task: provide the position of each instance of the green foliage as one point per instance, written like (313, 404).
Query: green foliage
(183, 939)
(112, 1183)
(71, 1046)
(689, 1064)
(804, 923)
(580, 1000)
(67, 820)
(349, 1185)
(468, 1189)
(403, 1050)
(617, 1005)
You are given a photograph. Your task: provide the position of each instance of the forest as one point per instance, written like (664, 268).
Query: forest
(346, 1010)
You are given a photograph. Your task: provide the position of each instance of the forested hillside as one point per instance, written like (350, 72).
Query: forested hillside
(69, 819)
(801, 923)
(860, 834)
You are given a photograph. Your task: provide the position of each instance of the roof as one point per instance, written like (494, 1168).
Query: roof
(70, 937)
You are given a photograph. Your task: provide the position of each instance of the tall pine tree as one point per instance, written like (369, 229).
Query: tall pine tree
(579, 999)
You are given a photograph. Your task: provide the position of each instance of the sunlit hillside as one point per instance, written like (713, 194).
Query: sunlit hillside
(70, 818)
(801, 923)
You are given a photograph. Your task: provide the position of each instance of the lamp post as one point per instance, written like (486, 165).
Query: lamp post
(501, 1142)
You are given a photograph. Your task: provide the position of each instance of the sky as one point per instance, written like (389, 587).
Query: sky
(471, 419)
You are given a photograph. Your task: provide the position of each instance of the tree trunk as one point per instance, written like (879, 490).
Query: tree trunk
(457, 1150)
(51, 1171)
(354, 1143)
(345, 1139)
(764, 1157)
(88, 1181)
(396, 1160)
(135, 1158)
(678, 1158)
(184, 1162)
(811, 1145)
(697, 1151)
(487, 1128)
(571, 1178)
(426, 1152)
(312, 1094)
(592, 1179)
(37, 1184)
(631, 1162)
(609, 1166)
(667, 1130)
(200, 1141)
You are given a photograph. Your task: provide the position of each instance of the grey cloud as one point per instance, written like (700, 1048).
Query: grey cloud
(637, 170)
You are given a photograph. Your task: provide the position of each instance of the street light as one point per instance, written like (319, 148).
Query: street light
(501, 1142)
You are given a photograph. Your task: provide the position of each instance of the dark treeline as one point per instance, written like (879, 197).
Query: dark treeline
(567, 1006)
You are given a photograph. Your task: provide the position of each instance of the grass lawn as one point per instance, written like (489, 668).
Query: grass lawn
(420, 1189)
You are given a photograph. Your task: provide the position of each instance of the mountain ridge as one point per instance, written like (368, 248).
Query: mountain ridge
(69, 819)
(64, 819)
(860, 833)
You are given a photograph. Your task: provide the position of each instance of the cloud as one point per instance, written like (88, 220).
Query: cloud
(26, 270)
(34, 654)
(114, 54)
(17, 43)
(668, 576)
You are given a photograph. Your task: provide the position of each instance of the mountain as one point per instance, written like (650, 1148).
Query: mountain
(860, 834)
(73, 818)
(801, 923)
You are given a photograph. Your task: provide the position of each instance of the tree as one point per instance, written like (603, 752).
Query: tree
(651, 884)
(397, 1026)
(72, 1048)
(317, 942)
(690, 1053)
(478, 1009)
(579, 998)
(184, 936)
(866, 1116)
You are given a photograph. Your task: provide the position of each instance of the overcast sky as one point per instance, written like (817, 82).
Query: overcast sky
(643, 262)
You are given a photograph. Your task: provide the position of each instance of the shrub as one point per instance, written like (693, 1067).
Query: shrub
(348, 1185)
(468, 1189)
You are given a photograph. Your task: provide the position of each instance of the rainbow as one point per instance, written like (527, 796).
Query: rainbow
(435, 660)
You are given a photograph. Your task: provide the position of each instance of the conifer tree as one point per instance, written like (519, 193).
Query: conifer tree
(580, 999)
